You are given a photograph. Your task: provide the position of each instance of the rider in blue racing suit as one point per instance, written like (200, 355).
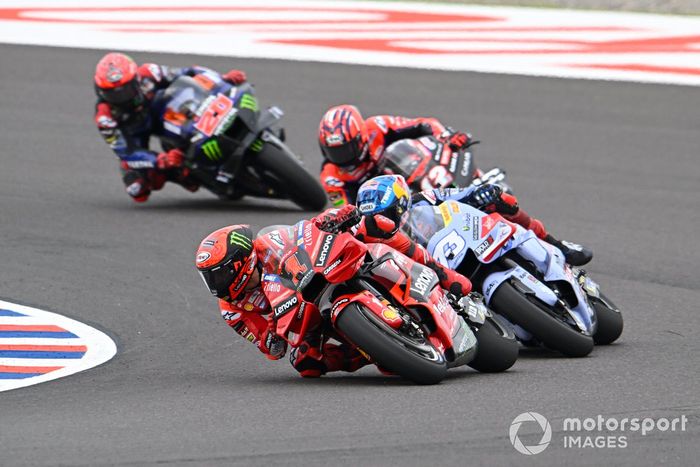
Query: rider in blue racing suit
(126, 116)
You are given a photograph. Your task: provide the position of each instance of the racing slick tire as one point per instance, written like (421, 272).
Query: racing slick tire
(610, 322)
(537, 320)
(497, 349)
(414, 359)
(292, 178)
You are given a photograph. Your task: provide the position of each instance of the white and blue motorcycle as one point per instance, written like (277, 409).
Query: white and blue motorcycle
(522, 278)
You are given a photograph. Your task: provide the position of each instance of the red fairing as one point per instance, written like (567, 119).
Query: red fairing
(399, 275)
(337, 257)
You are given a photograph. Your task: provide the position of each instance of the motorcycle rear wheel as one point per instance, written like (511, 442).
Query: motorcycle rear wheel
(549, 330)
(414, 359)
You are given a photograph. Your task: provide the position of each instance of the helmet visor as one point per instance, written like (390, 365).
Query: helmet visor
(350, 153)
(127, 94)
(218, 279)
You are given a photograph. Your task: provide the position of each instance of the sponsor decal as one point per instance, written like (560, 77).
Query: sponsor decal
(273, 287)
(250, 102)
(337, 305)
(212, 150)
(446, 216)
(488, 223)
(454, 206)
(390, 314)
(442, 305)
(387, 196)
(367, 207)
(270, 278)
(483, 246)
(241, 282)
(302, 308)
(334, 140)
(203, 256)
(332, 267)
(422, 282)
(325, 249)
(235, 238)
(248, 307)
(453, 163)
(475, 228)
(465, 165)
(488, 289)
(334, 182)
(307, 234)
(286, 306)
(140, 164)
(277, 238)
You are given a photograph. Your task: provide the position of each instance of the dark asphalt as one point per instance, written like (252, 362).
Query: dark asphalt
(611, 165)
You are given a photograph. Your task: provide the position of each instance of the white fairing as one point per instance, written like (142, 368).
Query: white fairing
(450, 230)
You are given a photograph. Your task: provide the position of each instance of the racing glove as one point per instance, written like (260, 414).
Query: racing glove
(172, 159)
(235, 77)
(456, 139)
(338, 220)
(272, 345)
(375, 228)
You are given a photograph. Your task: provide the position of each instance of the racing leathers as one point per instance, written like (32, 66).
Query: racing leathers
(127, 131)
(250, 315)
(342, 183)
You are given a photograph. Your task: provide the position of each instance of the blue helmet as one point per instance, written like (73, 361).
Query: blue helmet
(387, 195)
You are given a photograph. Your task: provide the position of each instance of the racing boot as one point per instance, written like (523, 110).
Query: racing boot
(575, 254)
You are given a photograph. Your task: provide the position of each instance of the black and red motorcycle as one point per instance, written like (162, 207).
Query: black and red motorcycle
(427, 163)
(381, 302)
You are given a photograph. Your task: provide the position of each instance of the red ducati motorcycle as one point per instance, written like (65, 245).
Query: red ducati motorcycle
(381, 302)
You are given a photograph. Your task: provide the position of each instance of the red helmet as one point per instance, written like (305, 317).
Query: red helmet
(117, 82)
(226, 260)
(342, 135)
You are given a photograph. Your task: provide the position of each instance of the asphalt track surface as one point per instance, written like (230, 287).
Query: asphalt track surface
(612, 165)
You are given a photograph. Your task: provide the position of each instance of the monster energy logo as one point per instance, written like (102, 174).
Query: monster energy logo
(249, 102)
(241, 240)
(257, 145)
(212, 150)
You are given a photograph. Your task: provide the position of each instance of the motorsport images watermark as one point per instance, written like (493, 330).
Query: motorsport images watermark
(593, 432)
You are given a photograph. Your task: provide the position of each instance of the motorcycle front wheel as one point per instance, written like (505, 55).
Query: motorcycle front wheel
(609, 320)
(283, 171)
(497, 349)
(410, 357)
(540, 322)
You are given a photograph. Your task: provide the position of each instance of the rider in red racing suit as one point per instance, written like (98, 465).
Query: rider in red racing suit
(352, 146)
(231, 263)
(123, 114)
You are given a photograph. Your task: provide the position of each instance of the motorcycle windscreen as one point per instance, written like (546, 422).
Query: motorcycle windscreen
(424, 222)
(184, 96)
(403, 158)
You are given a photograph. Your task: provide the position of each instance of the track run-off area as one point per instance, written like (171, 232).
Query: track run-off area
(611, 164)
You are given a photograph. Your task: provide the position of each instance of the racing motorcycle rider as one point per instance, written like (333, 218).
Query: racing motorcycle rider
(125, 97)
(352, 146)
(231, 263)
(486, 197)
